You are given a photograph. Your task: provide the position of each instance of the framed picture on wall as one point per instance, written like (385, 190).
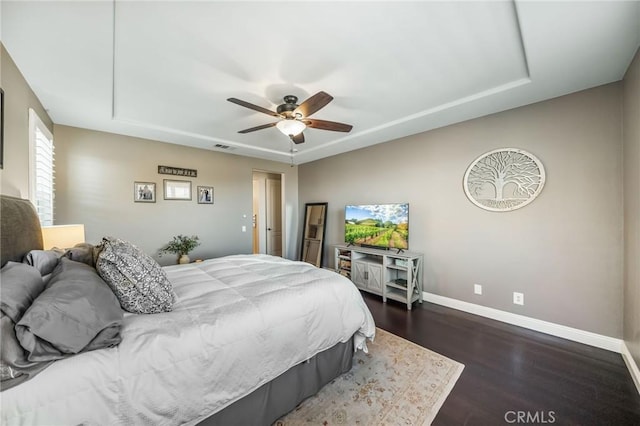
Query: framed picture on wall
(144, 192)
(205, 194)
(177, 189)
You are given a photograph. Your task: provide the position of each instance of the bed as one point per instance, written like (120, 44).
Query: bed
(248, 338)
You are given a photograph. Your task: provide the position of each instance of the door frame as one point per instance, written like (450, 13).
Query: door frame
(260, 200)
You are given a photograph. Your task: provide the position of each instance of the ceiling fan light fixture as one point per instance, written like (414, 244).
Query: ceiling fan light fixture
(291, 127)
(294, 118)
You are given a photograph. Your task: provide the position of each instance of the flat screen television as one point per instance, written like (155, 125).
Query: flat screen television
(384, 226)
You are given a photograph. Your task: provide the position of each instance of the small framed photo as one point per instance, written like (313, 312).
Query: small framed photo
(144, 192)
(177, 189)
(205, 194)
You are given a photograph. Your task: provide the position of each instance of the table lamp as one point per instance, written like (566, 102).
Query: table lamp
(62, 236)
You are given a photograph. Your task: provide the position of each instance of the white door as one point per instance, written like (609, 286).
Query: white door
(274, 217)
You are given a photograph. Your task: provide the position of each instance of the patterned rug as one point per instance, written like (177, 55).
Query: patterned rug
(396, 383)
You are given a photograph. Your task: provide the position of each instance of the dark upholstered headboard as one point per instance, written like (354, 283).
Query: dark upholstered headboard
(19, 228)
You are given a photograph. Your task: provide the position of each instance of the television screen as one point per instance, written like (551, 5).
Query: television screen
(377, 225)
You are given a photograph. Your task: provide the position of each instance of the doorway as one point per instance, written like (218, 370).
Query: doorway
(268, 217)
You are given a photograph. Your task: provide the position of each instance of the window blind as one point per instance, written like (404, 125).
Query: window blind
(42, 169)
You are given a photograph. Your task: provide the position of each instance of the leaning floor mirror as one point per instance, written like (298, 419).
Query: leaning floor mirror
(315, 217)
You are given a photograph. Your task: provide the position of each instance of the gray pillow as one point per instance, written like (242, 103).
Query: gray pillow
(21, 284)
(15, 368)
(43, 260)
(139, 282)
(82, 252)
(77, 312)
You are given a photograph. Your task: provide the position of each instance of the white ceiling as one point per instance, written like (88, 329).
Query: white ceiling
(163, 69)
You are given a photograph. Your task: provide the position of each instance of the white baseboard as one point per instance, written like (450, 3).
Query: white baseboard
(631, 365)
(569, 333)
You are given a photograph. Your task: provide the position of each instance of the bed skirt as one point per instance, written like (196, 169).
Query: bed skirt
(272, 400)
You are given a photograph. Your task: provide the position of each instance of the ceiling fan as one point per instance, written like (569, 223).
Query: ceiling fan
(294, 117)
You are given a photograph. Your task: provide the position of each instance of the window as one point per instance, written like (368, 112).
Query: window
(41, 168)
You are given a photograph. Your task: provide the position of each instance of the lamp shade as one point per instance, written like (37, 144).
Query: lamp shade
(291, 126)
(62, 236)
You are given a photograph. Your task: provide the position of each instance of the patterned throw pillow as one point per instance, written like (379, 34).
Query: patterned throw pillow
(137, 280)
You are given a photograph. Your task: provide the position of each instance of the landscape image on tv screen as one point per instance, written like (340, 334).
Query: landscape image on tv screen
(377, 225)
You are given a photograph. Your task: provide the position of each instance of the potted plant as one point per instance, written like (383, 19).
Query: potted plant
(181, 245)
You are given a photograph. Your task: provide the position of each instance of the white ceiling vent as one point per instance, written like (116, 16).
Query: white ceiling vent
(221, 146)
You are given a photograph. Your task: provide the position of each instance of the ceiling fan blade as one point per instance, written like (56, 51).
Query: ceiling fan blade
(313, 104)
(299, 138)
(328, 125)
(253, 107)
(253, 129)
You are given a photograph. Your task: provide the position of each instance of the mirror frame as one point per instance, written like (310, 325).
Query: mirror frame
(306, 240)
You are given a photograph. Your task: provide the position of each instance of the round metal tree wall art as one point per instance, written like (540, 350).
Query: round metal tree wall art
(504, 179)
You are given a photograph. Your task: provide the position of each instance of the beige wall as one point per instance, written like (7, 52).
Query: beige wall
(631, 136)
(18, 98)
(95, 172)
(563, 251)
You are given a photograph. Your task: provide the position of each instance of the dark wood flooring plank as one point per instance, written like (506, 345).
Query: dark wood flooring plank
(510, 368)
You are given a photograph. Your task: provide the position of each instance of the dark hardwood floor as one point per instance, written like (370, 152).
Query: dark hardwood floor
(514, 375)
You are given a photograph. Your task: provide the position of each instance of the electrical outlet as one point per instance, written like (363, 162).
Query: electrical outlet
(477, 289)
(518, 298)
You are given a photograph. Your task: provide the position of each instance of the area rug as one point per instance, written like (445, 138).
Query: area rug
(396, 383)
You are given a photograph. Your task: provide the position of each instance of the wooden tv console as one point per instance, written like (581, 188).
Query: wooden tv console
(392, 275)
